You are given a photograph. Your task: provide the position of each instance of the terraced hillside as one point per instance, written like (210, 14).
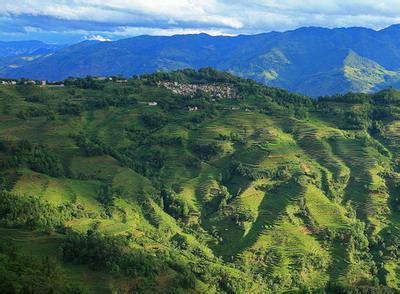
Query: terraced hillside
(133, 187)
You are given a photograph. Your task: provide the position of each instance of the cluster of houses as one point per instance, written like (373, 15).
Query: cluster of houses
(8, 82)
(42, 83)
(218, 91)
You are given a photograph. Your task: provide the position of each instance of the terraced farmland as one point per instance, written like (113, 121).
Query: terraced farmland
(267, 192)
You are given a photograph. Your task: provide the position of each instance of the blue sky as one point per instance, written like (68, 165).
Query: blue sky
(68, 21)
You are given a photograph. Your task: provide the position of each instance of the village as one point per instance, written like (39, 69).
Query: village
(8, 82)
(217, 91)
(41, 83)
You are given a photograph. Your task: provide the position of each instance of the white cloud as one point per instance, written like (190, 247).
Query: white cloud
(225, 17)
(134, 31)
(124, 12)
(97, 38)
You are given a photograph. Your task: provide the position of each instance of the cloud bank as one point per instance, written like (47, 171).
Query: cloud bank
(80, 19)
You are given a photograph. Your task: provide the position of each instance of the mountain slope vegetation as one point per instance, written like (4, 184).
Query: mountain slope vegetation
(197, 182)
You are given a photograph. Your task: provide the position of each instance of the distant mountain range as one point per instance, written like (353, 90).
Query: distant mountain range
(312, 61)
(15, 55)
(21, 48)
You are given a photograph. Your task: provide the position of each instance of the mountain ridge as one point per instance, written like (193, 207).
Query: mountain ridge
(311, 51)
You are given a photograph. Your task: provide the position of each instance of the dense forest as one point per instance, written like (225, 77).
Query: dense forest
(197, 182)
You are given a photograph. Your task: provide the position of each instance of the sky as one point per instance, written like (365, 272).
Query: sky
(70, 21)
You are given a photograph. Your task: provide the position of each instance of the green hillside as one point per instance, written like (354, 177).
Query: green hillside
(365, 75)
(198, 182)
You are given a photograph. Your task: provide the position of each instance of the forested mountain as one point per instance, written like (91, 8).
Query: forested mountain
(312, 61)
(197, 182)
